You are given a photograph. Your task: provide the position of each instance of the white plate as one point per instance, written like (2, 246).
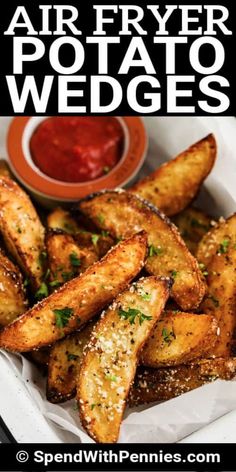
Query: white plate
(18, 409)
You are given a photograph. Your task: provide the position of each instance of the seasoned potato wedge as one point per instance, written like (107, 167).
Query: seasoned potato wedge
(179, 338)
(109, 364)
(64, 364)
(21, 229)
(78, 300)
(62, 219)
(175, 184)
(123, 214)
(221, 299)
(218, 239)
(151, 385)
(192, 224)
(12, 296)
(65, 259)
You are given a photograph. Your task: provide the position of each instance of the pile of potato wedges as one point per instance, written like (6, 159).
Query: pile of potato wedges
(126, 298)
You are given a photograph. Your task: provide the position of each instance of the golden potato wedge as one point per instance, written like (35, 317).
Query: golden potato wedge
(5, 169)
(123, 214)
(21, 229)
(221, 299)
(109, 364)
(218, 239)
(151, 385)
(62, 219)
(192, 224)
(64, 364)
(65, 259)
(78, 300)
(12, 295)
(179, 338)
(174, 185)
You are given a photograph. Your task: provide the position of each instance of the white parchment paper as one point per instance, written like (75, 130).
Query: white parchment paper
(175, 419)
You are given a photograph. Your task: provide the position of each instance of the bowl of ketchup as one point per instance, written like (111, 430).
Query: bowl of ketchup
(64, 158)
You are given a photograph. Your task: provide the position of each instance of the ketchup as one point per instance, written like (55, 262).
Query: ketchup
(77, 149)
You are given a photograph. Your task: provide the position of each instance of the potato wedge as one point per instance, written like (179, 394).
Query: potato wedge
(152, 385)
(123, 214)
(218, 239)
(62, 219)
(179, 338)
(221, 299)
(77, 301)
(174, 185)
(110, 360)
(65, 259)
(64, 364)
(12, 295)
(192, 224)
(21, 229)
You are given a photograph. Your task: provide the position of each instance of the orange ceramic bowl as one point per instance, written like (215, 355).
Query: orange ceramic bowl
(50, 191)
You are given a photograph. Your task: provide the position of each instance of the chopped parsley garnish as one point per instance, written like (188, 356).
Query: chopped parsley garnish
(95, 238)
(93, 406)
(47, 273)
(132, 313)
(42, 258)
(168, 336)
(202, 267)
(224, 246)
(214, 300)
(146, 296)
(112, 378)
(19, 230)
(174, 274)
(74, 260)
(62, 316)
(26, 282)
(154, 250)
(101, 219)
(69, 227)
(72, 357)
(197, 224)
(67, 276)
(55, 283)
(105, 233)
(42, 292)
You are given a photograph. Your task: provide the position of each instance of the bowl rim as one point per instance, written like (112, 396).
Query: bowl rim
(136, 143)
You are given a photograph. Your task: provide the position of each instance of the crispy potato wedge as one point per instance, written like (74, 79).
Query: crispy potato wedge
(12, 295)
(5, 169)
(174, 185)
(221, 299)
(62, 219)
(151, 385)
(78, 300)
(218, 239)
(64, 364)
(21, 229)
(110, 360)
(65, 259)
(123, 214)
(192, 224)
(179, 338)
